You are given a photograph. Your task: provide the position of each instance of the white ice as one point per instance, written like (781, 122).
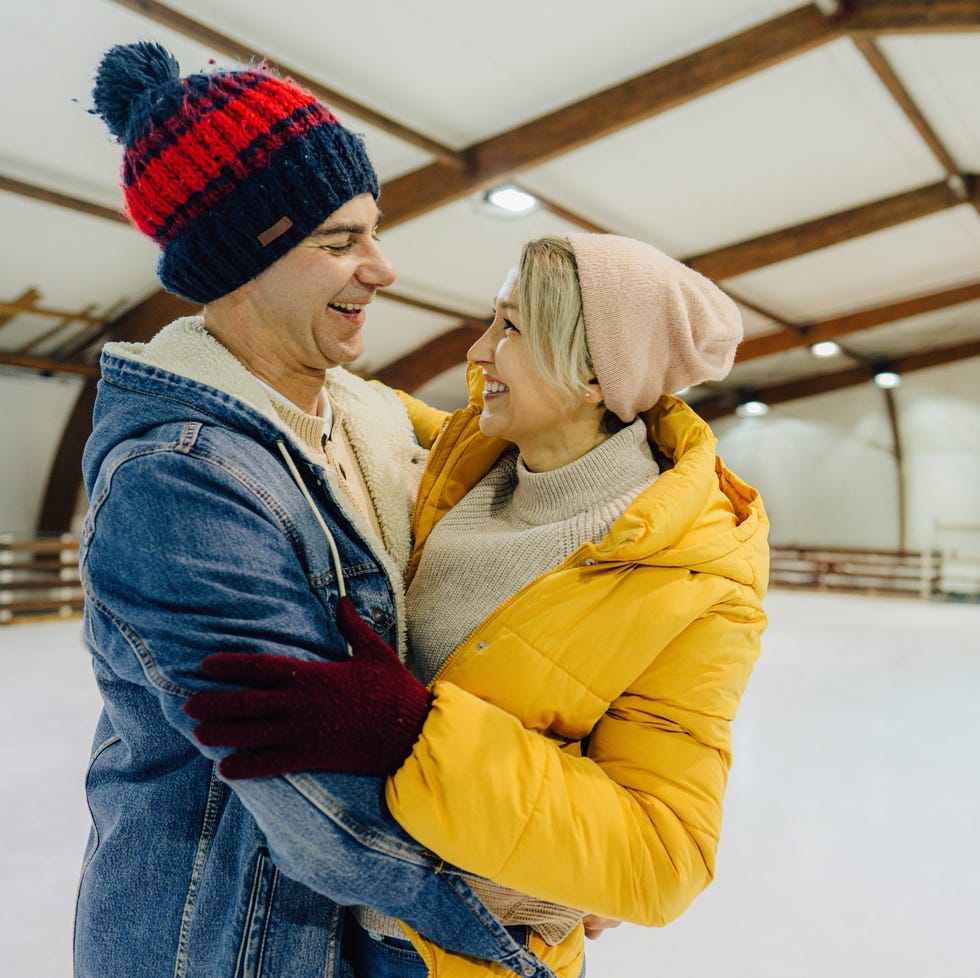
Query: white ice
(851, 846)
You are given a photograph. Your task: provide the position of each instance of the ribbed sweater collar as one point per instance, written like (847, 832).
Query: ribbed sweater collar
(308, 428)
(618, 465)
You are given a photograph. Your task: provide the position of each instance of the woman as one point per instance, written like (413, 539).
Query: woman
(585, 607)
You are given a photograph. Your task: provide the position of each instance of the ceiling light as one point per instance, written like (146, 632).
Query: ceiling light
(829, 8)
(511, 199)
(752, 409)
(827, 348)
(886, 379)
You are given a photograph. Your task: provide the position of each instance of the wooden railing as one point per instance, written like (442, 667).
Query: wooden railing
(915, 573)
(39, 575)
(38, 578)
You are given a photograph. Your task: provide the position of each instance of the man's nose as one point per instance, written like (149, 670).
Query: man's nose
(378, 270)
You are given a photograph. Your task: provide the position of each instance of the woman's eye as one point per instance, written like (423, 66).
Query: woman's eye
(509, 327)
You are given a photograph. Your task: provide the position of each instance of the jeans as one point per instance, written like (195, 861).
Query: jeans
(369, 955)
(373, 956)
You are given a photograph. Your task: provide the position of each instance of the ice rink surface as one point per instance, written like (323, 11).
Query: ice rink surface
(851, 846)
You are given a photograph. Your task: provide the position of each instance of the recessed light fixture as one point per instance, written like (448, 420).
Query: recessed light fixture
(829, 8)
(826, 348)
(511, 199)
(887, 379)
(752, 409)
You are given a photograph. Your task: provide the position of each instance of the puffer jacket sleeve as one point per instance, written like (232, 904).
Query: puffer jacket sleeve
(426, 420)
(629, 830)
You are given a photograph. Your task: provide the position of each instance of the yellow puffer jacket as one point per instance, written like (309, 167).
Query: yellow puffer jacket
(578, 743)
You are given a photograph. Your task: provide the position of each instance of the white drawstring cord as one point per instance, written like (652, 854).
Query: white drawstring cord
(335, 554)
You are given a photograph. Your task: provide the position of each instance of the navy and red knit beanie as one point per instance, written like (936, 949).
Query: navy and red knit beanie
(226, 170)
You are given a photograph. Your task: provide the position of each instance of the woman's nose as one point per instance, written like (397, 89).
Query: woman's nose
(482, 350)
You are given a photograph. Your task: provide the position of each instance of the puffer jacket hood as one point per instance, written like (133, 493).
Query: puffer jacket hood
(698, 515)
(684, 519)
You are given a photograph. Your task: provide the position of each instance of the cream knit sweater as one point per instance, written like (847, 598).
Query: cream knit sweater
(513, 526)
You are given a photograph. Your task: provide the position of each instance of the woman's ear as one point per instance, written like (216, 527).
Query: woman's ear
(594, 394)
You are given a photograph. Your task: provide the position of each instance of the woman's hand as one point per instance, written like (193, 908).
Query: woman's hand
(361, 716)
(596, 926)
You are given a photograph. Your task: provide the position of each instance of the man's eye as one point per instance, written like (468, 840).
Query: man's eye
(337, 249)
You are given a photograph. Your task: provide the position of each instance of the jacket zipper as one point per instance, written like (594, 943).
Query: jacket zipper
(569, 561)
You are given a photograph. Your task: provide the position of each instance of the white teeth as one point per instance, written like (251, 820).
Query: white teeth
(494, 387)
(346, 306)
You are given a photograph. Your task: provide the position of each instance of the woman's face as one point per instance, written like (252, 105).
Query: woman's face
(550, 427)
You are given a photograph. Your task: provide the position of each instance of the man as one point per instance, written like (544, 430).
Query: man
(240, 483)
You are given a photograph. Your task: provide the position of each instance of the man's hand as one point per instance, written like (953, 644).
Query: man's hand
(596, 926)
(361, 716)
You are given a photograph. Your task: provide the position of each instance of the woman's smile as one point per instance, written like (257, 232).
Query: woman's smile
(493, 387)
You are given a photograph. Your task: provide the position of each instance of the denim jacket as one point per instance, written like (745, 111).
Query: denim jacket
(209, 530)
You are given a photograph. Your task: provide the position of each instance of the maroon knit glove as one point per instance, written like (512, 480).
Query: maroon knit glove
(361, 716)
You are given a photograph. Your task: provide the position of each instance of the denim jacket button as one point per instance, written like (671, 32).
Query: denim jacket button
(377, 615)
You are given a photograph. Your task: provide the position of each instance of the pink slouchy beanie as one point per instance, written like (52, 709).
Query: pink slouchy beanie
(652, 325)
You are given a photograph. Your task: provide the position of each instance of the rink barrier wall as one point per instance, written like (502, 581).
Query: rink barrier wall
(927, 574)
(39, 578)
(39, 575)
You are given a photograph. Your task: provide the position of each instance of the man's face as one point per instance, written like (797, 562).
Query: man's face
(309, 305)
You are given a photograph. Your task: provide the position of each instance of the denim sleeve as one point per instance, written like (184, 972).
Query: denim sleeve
(183, 557)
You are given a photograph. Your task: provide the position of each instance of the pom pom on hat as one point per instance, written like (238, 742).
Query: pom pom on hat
(128, 75)
(653, 326)
(226, 170)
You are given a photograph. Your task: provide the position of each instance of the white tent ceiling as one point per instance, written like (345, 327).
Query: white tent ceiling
(818, 160)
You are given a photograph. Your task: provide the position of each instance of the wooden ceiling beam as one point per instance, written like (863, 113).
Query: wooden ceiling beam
(174, 20)
(23, 303)
(566, 214)
(609, 111)
(886, 74)
(465, 319)
(914, 16)
(46, 365)
(144, 320)
(26, 306)
(837, 326)
(720, 405)
(33, 192)
(417, 368)
(746, 256)
(43, 338)
(880, 65)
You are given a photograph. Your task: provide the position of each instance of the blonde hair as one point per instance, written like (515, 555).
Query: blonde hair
(549, 304)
